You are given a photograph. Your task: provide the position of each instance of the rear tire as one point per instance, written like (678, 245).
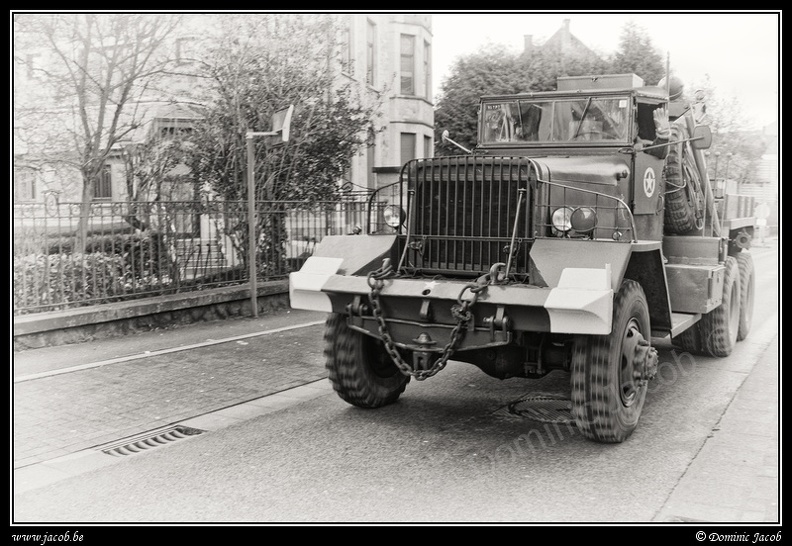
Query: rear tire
(359, 367)
(747, 282)
(607, 400)
(689, 340)
(720, 326)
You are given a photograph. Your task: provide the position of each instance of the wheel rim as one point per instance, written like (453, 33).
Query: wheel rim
(629, 390)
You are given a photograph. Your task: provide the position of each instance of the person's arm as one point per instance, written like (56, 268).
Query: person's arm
(662, 133)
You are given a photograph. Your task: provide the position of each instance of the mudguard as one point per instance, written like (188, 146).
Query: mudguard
(337, 255)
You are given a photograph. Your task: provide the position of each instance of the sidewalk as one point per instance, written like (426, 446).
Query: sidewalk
(735, 476)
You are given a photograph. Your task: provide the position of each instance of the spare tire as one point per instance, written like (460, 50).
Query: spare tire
(684, 198)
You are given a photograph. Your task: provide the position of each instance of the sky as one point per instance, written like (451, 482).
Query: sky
(740, 51)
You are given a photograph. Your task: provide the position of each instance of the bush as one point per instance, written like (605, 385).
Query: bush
(53, 280)
(145, 255)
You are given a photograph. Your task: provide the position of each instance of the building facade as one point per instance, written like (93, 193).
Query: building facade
(391, 56)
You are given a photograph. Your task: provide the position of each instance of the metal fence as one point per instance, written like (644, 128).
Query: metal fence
(131, 250)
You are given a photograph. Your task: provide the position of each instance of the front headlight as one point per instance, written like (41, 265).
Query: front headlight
(393, 215)
(584, 220)
(562, 219)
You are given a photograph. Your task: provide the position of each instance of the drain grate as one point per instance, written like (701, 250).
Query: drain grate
(149, 440)
(545, 408)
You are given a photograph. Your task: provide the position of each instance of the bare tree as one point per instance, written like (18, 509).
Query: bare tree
(94, 74)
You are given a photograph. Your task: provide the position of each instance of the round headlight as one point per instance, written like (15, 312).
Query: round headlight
(393, 216)
(562, 219)
(584, 220)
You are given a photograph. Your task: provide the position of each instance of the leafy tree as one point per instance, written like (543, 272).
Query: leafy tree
(738, 150)
(89, 97)
(636, 54)
(546, 66)
(260, 65)
(492, 71)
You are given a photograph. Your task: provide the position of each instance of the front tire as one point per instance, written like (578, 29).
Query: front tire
(359, 368)
(607, 398)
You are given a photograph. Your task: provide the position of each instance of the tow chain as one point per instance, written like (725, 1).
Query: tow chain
(460, 311)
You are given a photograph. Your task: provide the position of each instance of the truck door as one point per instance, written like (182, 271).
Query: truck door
(648, 183)
(648, 188)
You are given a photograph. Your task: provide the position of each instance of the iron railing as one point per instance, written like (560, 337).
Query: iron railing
(66, 255)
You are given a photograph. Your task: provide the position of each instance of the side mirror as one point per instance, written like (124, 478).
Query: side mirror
(446, 139)
(702, 137)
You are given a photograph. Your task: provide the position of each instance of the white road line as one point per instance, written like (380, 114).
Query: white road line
(128, 358)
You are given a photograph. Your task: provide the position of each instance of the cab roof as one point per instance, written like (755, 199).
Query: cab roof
(651, 92)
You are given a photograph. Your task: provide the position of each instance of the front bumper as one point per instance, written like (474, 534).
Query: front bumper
(581, 302)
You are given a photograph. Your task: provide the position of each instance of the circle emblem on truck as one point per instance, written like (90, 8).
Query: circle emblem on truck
(649, 182)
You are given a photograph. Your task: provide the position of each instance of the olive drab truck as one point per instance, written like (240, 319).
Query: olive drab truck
(567, 239)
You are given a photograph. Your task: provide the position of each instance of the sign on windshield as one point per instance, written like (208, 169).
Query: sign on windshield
(591, 119)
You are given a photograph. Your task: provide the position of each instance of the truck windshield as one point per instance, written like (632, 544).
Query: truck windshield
(591, 119)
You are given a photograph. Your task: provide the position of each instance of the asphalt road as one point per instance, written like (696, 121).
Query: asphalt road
(448, 451)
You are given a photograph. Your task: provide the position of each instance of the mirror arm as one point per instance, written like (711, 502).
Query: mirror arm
(653, 146)
(446, 139)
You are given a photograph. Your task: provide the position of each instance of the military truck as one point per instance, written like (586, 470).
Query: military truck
(569, 238)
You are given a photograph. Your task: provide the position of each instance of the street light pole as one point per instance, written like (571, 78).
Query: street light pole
(281, 122)
(251, 191)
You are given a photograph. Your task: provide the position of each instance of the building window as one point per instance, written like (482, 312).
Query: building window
(347, 54)
(427, 69)
(428, 150)
(371, 53)
(407, 147)
(24, 185)
(103, 187)
(407, 64)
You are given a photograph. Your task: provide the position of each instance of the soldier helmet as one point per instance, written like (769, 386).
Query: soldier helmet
(675, 89)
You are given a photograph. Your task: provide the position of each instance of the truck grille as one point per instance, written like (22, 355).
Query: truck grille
(463, 212)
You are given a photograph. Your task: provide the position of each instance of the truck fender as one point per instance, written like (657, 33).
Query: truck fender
(337, 255)
(553, 260)
(361, 254)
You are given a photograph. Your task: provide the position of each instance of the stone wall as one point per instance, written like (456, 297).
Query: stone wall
(119, 319)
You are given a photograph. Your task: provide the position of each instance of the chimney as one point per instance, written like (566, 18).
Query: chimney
(528, 47)
(565, 36)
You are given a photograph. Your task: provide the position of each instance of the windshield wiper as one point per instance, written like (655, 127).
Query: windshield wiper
(582, 117)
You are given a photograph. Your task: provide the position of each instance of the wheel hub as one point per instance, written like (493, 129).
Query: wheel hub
(644, 359)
